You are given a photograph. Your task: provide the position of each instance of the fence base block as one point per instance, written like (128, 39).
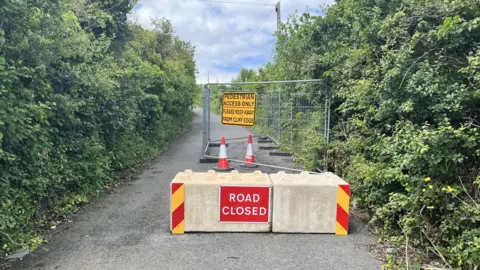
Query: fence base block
(208, 160)
(280, 154)
(269, 147)
(216, 145)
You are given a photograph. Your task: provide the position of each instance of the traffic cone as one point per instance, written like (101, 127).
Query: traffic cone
(249, 157)
(222, 159)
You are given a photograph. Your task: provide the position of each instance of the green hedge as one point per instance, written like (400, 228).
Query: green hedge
(83, 95)
(405, 128)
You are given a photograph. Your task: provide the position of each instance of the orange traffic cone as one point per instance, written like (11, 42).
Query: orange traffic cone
(249, 157)
(222, 159)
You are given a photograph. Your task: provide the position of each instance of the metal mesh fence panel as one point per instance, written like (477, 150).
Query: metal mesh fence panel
(283, 118)
(294, 116)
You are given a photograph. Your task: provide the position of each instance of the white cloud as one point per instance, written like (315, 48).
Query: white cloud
(223, 32)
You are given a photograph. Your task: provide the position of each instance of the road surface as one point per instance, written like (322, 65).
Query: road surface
(129, 229)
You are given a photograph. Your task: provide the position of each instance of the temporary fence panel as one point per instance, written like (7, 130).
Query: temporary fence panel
(282, 118)
(285, 112)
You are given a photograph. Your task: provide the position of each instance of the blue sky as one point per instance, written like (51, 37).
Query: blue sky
(227, 36)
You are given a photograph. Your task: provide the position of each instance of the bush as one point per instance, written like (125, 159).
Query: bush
(404, 79)
(83, 95)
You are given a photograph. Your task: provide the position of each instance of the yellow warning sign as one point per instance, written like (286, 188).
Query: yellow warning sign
(239, 108)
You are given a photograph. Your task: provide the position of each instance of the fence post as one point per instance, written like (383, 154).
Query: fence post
(265, 105)
(291, 123)
(279, 122)
(325, 121)
(328, 117)
(204, 120)
(328, 127)
(209, 102)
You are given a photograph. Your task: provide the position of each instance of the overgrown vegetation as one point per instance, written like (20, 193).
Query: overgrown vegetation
(83, 94)
(404, 80)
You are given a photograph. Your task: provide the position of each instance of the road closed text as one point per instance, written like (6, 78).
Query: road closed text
(241, 210)
(244, 204)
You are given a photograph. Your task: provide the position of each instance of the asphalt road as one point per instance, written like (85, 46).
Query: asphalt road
(129, 229)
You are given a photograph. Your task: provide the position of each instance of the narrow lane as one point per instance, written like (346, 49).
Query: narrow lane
(129, 229)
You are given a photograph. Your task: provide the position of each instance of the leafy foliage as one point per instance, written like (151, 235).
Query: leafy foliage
(83, 94)
(404, 80)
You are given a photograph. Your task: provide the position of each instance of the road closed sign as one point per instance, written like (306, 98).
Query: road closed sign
(244, 204)
(238, 108)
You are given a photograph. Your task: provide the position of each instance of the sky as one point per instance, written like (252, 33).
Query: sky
(227, 36)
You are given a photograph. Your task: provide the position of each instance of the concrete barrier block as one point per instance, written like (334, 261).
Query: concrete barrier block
(225, 201)
(307, 203)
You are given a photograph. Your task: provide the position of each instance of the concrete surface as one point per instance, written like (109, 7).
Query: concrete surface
(304, 203)
(202, 200)
(129, 229)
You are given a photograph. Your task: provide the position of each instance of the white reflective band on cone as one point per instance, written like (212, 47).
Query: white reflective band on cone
(223, 151)
(249, 150)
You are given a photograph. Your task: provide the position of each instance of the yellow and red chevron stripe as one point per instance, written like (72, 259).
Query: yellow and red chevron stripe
(178, 208)
(343, 208)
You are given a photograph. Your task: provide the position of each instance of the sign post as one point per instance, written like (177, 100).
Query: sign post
(238, 108)
(244, 204)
